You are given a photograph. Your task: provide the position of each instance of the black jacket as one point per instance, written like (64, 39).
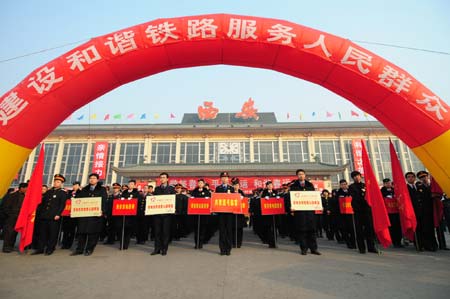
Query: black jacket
(358, 193)
(226, 189)
(10, 207)
(91, 225)
(201, 194)
(304, 220)
(53, 204)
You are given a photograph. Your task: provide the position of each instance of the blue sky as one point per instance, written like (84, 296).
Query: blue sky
(30, 26)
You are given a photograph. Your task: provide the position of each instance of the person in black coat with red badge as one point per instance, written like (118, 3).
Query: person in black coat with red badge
(49, 214)
(304, 221)
(225, 219)
(89, 228)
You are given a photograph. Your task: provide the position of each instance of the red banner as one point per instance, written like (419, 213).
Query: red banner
(272, 206)
(318, 212)
(127, 207)
(247, 184)
(226, 203)
(100, 159)
(391, 205)
(244, 206)
(66, 211)
(199, 206)
(357, 155)
(345, 205)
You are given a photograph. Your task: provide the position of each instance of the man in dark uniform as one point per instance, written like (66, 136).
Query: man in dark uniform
(113, 222)
(239, 219)
(49, 214)
(345, 221)
(200, 192)
(256, 217)
(69, 224)
(427, 215)
(179, 220)
(305, 220)
(89, 228)
(268, 227)
(395, 229)
(9, 212)
(225, 219)
(142, 221)
(162, 223)
(128, 223)
(363, 214)
(328, 215)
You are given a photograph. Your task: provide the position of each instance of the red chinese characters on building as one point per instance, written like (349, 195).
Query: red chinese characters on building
(357, 155)
(208, 111)
(248, 110)
(100, 159)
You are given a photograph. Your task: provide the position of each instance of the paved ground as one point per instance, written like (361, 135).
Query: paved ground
(252, 271)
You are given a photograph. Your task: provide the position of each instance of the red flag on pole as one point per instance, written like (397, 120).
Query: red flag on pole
(407, 216)
(438, 206)
(353, 113)
(33, 197)
(375, 200)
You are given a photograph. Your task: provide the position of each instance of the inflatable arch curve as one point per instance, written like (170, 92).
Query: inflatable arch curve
(48, 95)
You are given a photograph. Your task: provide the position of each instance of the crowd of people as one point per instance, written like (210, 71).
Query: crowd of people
(302, 227)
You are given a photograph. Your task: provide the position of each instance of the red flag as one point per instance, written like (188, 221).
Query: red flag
(172, 115)
(106, 117)
(438, 206)
(375, 200)
(353, 113)
(33, 197)
(401, 193)
(329, 114)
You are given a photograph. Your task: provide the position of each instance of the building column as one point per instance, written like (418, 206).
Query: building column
(116, 160)
(344, 159)
(252, 149)
(87, 160)
(311, 148)
(59, 157)
(147, 143)
(206, 142)
(373, 158)
(280, 148)
(177, 149)
(402, 156)
(29, 165)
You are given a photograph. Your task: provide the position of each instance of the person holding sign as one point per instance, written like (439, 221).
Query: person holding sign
(49, 214)
(267, 221)
(128, 223)
(69, 224)
(200, 192)
(113, 222)
(304, 221)
(363, 214)
(225, 219)
(344, 208)
(239, 219)
(89, 228)
(392, 208)
(162, 222)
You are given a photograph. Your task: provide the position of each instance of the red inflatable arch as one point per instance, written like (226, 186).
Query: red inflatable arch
(48, 95)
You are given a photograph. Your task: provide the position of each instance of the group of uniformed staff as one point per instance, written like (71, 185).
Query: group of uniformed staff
(303, 227)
